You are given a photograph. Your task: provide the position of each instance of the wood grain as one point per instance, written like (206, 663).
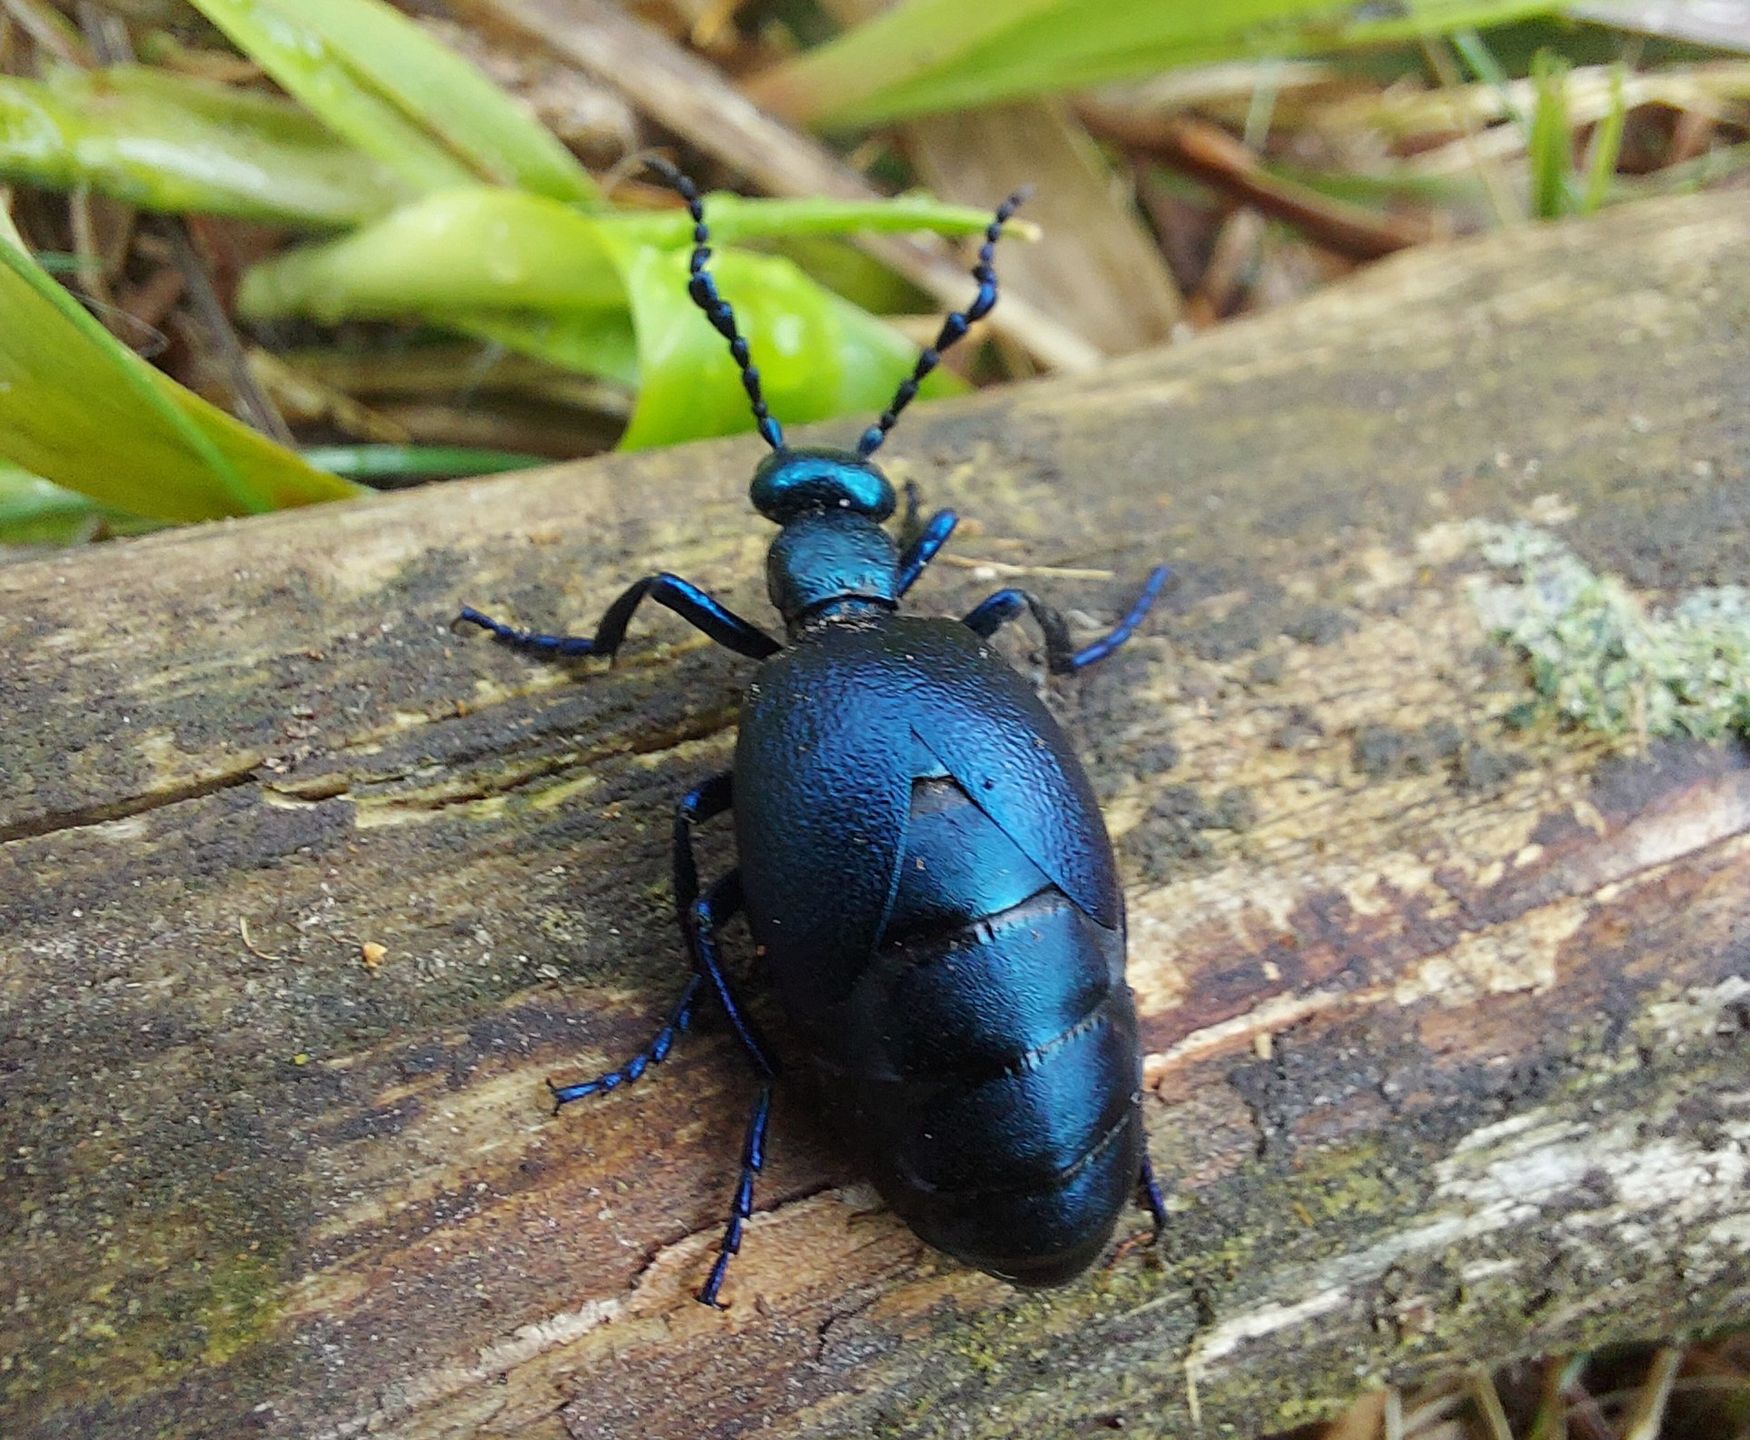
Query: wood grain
(1447, 1012)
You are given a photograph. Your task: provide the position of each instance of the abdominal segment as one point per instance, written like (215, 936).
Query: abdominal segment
(991, 1055)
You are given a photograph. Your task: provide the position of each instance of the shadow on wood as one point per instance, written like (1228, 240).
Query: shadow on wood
(1446, 1013)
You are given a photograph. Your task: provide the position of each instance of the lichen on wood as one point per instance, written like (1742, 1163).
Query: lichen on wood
(1597, 655)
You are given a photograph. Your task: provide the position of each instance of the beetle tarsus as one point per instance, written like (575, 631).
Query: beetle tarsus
(678, 1022)
(1061, 657)
(531, 642)
(753, 1160)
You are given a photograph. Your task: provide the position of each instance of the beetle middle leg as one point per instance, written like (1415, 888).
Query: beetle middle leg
(701, 803)
(1061, 656)
(680, 1018)
(699, 609)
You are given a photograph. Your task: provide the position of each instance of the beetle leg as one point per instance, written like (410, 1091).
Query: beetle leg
(681, 596)
(652, 1054)
(753, 1159)
(703, 802)
(931, 538)
(1060, 655)
(699, 922)
(700, 916)
(911, 523)
(1151, 1197)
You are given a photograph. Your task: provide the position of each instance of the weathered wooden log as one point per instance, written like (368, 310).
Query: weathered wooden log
(302, 896)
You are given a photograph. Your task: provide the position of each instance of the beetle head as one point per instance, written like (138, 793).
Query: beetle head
(790, 483)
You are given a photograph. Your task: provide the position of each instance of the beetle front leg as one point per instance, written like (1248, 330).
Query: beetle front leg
(1061, 656)
(695, 606)
(931, 538)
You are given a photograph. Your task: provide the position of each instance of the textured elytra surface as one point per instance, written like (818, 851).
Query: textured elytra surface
(1445, 1014)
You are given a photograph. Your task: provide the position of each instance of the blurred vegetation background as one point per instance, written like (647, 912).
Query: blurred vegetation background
(260, 253)
(269, 252)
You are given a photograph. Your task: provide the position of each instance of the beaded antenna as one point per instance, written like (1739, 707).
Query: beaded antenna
(953, 330)
(717, 310)
(703, 290)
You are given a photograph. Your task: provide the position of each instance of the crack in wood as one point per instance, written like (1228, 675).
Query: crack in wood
(55, 822)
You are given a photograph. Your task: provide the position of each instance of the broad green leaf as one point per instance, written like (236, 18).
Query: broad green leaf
(456, 251)
(929, 56)
(484, 249)
(819, 356)
(168, 142)
(78, 409)
(607, 296)
(598, 343)
(378, 79)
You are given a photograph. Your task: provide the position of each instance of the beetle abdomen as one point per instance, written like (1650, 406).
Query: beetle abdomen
(990, 1053)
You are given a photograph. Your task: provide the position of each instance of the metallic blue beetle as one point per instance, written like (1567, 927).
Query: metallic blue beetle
(923, 866)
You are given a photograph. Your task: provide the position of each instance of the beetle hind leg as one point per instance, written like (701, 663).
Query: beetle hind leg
(701, 917)
(1152, 1200)
(753, 1159)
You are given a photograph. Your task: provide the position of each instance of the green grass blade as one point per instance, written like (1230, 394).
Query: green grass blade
(907, 44)
(1038, 49)
(1606, 147)
(1484, 66)
(734, 218)
(422, 462)
(446, 96)
(78, 409)
(313, 71)
(1550, 147)
(168, 142)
